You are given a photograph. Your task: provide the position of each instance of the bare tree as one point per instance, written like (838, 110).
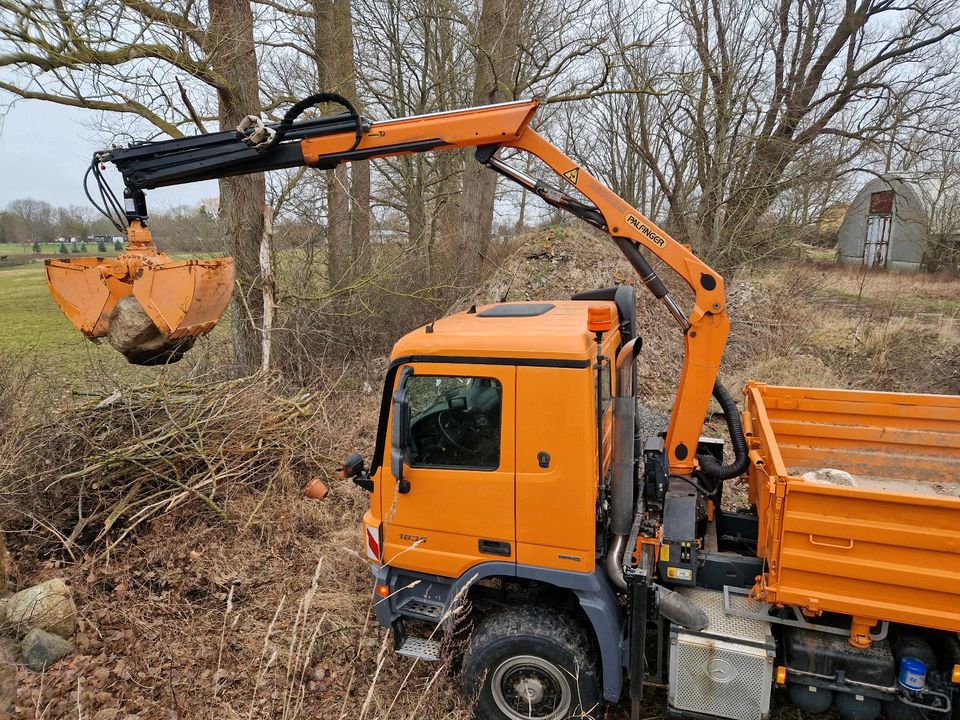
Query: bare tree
(126, 58)
(739, 102)
(348, 189)
(495, 73)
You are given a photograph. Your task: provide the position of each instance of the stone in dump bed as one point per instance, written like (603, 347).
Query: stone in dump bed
(133, 333)
(937, 487)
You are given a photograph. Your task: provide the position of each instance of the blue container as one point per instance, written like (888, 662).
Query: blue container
(913, 674)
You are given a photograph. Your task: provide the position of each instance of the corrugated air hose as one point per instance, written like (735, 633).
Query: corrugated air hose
(709, 465)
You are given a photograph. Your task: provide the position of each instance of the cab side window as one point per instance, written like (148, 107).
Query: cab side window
(455, 421)
(606, 385)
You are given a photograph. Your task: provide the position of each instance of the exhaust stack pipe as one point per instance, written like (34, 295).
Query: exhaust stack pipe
(621, 488)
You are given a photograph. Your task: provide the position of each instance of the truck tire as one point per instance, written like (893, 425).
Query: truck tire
(531, 662)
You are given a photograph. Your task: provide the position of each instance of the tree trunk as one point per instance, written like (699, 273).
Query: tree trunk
(360, 170)
(496, 42)
(233, 55)
(269, 287)
(338, 228)
(348, 192)
(416, 213)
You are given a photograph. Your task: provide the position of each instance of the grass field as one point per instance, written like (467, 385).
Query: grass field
(36, 335)
(17, 248)
(30, 318)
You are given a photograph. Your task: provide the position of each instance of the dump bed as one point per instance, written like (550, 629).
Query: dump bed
(873, 530)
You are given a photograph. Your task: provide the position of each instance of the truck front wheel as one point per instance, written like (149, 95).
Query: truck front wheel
(531, 662)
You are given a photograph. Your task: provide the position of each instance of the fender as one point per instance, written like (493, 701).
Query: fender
(593, 590)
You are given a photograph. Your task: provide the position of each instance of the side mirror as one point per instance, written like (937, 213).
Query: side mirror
(400, 432)
(355, 470)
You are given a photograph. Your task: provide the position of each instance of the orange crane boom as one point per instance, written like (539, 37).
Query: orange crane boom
(187, 299)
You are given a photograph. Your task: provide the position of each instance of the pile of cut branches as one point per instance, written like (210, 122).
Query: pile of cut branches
(91, 474)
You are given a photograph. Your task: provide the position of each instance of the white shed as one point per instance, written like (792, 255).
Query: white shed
(886, 225)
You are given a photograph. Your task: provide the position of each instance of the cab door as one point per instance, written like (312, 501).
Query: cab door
(459, 510)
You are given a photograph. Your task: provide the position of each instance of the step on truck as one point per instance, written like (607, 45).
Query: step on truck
(512, 495)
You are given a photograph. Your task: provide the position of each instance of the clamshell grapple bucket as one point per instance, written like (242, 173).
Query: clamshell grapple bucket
(149, 307)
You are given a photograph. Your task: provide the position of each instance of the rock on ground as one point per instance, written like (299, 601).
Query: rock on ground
(8, 674)
(48, 606)
(41, 649)
(132, 332)
(114, 714)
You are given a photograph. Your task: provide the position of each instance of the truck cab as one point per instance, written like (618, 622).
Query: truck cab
(509, 483)
(501, 462)
(493, 455)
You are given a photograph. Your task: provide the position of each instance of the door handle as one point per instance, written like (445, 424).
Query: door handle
(494, 547)
(842, 545)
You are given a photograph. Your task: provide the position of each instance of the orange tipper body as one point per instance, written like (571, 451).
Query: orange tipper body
(540, 500)
(183, 298)
(884, 550)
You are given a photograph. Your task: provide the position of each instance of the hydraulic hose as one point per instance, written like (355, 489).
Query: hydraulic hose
(324, 97)
(710, 466)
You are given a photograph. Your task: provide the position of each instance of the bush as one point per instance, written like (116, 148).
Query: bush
(99, 470)
(101, 247)
(63, 248)
(36, 246)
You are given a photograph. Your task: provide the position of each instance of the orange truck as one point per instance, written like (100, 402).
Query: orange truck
(513, 492)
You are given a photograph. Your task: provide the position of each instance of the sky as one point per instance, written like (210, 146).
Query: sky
(45, 149)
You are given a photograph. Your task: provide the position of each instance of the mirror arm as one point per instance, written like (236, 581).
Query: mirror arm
(364, 482)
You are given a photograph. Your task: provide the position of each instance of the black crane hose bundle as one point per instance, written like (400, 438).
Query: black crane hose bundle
(322, 97)
(709, 465)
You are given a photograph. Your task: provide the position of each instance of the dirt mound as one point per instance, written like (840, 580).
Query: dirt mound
(554, 264)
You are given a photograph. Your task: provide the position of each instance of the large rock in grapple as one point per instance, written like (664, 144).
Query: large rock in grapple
(132, 333)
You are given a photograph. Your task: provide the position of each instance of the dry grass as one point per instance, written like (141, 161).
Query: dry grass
(226, 594)
(93, 473)
(202, 620)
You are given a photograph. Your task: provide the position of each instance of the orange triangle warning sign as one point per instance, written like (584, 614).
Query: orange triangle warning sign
(573, 174)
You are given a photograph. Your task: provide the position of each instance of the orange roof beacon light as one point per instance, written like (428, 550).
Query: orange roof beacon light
(599, 319)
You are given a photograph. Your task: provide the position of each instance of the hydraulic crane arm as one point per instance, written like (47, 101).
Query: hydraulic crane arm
(327, 142)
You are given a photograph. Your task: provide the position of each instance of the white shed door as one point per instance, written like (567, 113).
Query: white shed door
(877, 242)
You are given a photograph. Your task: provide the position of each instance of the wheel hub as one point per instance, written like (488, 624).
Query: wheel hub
(527, 687)
(530, 688)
